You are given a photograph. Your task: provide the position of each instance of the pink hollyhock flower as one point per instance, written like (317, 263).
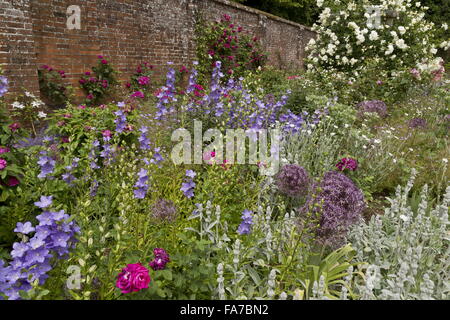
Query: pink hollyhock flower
(81, 107)
(14, 126)
(4, 150)
(100, 57)
(82, 81)
(104, 61)
(183, 69)
(90, 96)
(128, 85)
(3, 163)
(93, 79)
(133, 278)
(87, 73)
(347, 163)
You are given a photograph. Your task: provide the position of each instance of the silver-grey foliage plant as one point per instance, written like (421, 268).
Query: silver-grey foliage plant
(406, 249)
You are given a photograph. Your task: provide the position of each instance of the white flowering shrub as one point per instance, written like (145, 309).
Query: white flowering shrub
(389, 34)
(407, 249)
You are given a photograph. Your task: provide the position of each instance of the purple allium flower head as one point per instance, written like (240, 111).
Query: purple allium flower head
(164, 210)
(161, 259)
(347, 163)
(417, 123)
(246, 224)
(339, 203)
(293, 180)
(44, 202)
(376, 106)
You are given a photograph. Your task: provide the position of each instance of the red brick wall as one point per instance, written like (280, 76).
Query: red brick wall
(126, 32)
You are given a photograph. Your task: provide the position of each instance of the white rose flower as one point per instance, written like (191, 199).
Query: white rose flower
(401, 44)
(319, 3)
(445, 26)
(389, 50)
(373, 35)
(433, 50)
(402, 30)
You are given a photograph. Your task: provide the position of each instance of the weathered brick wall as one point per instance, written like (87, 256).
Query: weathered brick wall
(126, 32)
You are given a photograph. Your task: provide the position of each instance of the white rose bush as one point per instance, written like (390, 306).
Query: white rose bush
(387, 40)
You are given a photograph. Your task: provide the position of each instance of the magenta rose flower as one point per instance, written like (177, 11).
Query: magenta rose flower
(134, 277)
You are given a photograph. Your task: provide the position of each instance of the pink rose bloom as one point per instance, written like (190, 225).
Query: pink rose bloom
(133, 278)
(103, 106)
(81, 107)
(14, 127)
(128, 85)
(4, 150)
(90, 96)
(87, 73)
(12, 182)
(3, 164)
(104, 61)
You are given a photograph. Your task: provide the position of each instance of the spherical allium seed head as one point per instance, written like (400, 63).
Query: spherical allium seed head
(417, 123)
(372, 106)
(293, 180)
(164, 210)
(339, 203)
